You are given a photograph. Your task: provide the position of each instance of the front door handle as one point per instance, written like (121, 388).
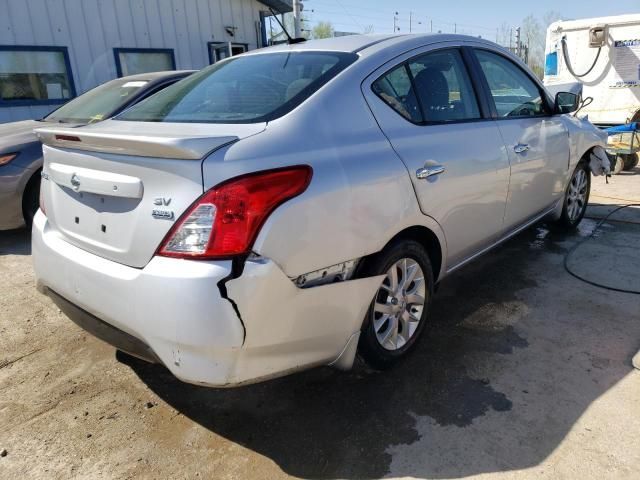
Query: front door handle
(521, 148)
(426, 172)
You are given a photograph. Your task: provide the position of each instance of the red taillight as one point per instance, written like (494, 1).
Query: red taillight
(226, 220)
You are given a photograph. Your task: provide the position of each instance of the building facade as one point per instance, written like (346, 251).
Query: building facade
(53, 50)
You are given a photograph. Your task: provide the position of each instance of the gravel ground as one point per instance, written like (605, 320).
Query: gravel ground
(526, 372)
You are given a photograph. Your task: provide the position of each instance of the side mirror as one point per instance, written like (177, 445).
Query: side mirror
(566, 102)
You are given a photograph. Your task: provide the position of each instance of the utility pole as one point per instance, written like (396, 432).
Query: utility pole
(297, 18)
(395, 22)
(410, 21)
(518, 41)
(431, 22)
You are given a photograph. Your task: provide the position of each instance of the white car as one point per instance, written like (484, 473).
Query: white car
(297, 205)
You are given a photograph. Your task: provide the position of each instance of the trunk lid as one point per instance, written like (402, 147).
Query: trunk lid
(115, 189)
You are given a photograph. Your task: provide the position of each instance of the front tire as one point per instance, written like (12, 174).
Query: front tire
(399, 312)
(576, 198)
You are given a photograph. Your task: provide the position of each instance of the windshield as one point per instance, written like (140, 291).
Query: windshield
(246, 89)
(97, 104)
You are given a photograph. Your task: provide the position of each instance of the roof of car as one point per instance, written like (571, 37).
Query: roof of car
(361, 43)
(152, 76)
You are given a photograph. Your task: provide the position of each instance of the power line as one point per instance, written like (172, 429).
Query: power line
(384, 17)
(347, 12)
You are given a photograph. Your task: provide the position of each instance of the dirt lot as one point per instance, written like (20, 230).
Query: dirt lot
(525, 373)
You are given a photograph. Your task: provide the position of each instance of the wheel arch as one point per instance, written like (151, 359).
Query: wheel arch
(427, 238)
(34, 179)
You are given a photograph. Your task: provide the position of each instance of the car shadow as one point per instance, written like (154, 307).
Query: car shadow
(15, 242)
(490, 388)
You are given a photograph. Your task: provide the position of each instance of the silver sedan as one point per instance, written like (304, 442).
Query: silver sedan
(297, 205)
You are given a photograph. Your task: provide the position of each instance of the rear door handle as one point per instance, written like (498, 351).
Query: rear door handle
(426, 172)
(521, 148)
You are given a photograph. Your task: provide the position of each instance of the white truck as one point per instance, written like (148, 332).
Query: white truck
(600, 57)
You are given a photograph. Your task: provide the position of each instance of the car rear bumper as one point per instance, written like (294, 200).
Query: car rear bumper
(102, 330)
(173, 310)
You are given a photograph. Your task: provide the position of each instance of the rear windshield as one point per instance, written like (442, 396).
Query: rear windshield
(246, 89)
(97, 104)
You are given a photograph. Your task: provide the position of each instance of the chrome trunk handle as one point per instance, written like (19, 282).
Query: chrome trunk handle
(426, 172)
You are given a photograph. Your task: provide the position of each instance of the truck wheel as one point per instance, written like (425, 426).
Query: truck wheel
(617, 164)
(629, 162)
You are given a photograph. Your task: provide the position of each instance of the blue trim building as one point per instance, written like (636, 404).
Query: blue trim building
(53, 50)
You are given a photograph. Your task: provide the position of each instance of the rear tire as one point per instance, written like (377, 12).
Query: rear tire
(630, 161)
(399, 312)
(31, 199)
(576, 198)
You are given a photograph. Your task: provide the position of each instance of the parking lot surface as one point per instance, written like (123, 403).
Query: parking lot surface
(525, 373)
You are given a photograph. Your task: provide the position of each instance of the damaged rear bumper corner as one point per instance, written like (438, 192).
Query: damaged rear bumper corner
(177, 313)
(290, 328)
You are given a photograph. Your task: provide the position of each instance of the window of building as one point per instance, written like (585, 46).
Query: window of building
(130, 61)
(221, 50)
(35, 75)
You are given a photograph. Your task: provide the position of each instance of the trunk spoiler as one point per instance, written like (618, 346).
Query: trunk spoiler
(157, 144)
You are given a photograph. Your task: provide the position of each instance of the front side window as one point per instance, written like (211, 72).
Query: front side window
(432, 88)
(35, 75)
(513, 92)
(246, 89)
(98, 103)
(131, 61)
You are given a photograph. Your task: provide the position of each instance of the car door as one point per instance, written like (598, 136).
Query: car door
(427, 107)
(537, 142)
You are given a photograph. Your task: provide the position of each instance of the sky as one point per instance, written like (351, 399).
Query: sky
(471, 17)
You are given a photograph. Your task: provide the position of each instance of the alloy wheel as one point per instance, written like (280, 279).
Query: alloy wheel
(577, 194)
(399, 303)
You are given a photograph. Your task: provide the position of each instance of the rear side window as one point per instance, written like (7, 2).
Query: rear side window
(439, 89)
(513, 92)
(396, 90)
(443, 87)
(245, 89)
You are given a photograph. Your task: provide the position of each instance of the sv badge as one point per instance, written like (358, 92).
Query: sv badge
(162, 214)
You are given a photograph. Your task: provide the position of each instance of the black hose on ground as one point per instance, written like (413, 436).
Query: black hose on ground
(575, 247)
